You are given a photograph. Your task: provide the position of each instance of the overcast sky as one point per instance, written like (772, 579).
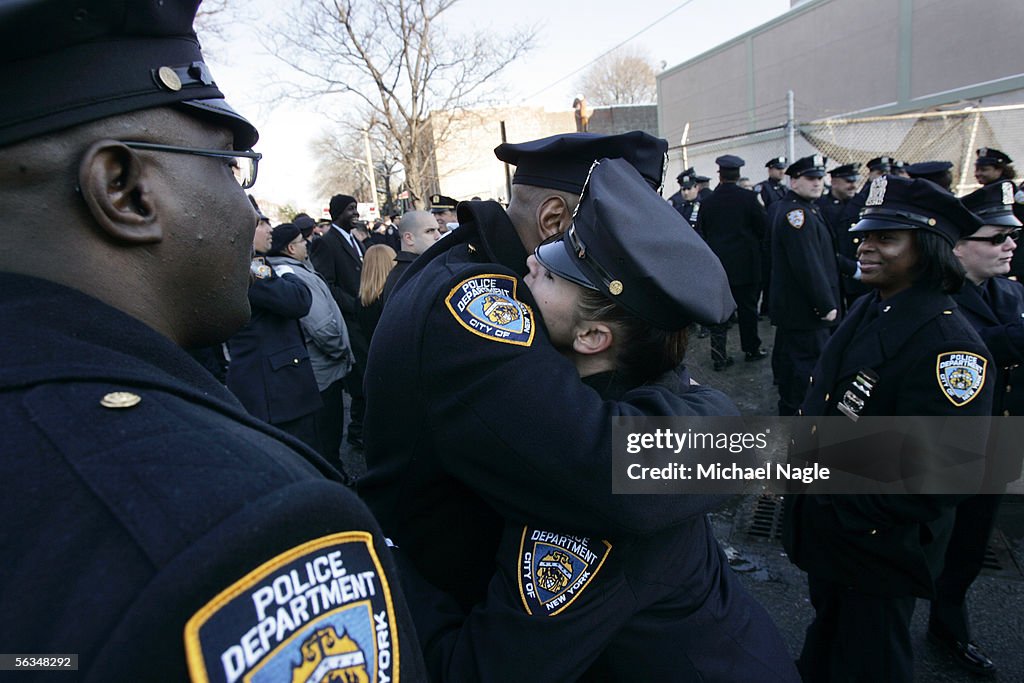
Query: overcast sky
(571, 35)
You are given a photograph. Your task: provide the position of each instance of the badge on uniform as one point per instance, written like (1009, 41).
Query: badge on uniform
(259, 268)
(555, 569)
(961, 375)
(487, 306)
(856, 397)
(320, 611)
(796, 218)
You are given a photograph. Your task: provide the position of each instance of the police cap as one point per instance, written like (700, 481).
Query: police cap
(305, 223)
(924, 169)
(701, 179)
(730, 161)
(987, 156)
(687, 176)
(776, 162)
(439, 203)
(281, 236)
(812, 166)
(897, 203)
(639, 252)
(561, 162)
(993, 204)
(849, 172)
(880, 164)
(68, 62)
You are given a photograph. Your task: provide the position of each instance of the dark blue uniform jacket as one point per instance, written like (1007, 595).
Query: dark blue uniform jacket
(122, 525)
(886, 544)
(493, 426)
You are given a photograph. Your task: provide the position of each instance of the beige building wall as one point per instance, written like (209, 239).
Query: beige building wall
(846, 56)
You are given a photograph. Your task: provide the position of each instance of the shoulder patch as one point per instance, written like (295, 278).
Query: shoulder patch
(961, 375)
(555, 569)
(320, 611)
(796, 218)
(486, 305)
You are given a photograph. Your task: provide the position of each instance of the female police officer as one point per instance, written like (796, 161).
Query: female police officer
(617, 292)
(903, 350)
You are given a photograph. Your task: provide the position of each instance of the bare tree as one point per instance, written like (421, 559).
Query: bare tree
(341, 163)
(394, 59)
(622, 77)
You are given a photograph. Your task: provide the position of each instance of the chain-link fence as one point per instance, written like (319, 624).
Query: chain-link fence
(949, 135)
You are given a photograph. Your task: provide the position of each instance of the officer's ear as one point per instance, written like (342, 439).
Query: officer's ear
(553, 217)
(112, 181)
(591, 337)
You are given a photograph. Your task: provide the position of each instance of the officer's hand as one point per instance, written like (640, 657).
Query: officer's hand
(830, 316)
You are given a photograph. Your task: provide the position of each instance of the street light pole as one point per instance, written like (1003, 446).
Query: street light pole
(370, 172)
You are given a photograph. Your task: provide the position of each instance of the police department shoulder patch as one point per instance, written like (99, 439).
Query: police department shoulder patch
(961, 375)
(320, 611)
(555, 569)
(486, 305)
(796, 218)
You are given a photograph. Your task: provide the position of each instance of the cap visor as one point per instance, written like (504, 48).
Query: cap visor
(554, 255)
(872, 224)
(1005, 220)
(219, 110)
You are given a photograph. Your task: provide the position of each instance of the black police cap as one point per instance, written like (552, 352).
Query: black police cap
(812, 166)
(849, 172)
(68, 62)
(439, 203)
(989, 156)
(633, 247)
(305, 223)
(281, 236)
(880, 164)
(686, 176)
(561, 162)
(701, 179)
(924, 169)
(776, 162)
(993, 204)
(897, 203)
(730, 161)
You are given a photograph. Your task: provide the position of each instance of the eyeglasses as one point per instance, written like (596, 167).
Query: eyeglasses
(996, 240)
(243, 164)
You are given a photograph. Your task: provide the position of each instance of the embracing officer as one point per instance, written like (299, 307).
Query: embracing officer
(152, 526)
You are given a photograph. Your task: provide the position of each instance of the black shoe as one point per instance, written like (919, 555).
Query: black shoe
(751, 356)
(967, 655)
(723, 364)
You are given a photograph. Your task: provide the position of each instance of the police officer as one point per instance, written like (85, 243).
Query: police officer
(685, 200)
(994, 306)
(993, 166)
(939, 172)
(733, 223)
(833, 205)
(703, 186)
(443, 208)
(847, 242)
(651, 608)
(153, 527)
(772, 189)
(805, 302)
(485, 433)
(868, 555)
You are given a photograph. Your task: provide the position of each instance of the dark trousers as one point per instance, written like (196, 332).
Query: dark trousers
(793, 358)
(746, 314)
(330, 421)
(856, 637)
(357, 407)
(303, 429)
(975, 519)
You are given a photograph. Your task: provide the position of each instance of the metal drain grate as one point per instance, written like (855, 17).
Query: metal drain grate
(763, 518)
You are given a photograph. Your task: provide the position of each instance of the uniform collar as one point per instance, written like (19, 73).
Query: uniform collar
(495, 235)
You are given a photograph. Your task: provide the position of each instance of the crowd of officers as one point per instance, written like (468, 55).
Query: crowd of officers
(161, 527)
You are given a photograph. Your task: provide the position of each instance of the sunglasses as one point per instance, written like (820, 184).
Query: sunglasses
(996, 240)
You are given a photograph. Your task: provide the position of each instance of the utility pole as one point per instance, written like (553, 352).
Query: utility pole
(508, 174)
(370, 172)
(790, 127)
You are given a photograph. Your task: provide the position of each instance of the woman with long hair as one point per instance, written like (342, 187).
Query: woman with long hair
(377, 263)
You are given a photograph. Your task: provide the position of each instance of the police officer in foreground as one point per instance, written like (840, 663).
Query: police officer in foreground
(486, 434)
(772, 190)
(152, 526)
(994, 306)
(732, 222)
(662, 607)
(805, 302)
(904, 350)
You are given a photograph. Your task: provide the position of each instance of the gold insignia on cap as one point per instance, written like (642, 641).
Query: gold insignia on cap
(818, 160)
(615, 287)
(168, 78)
(120, 399)
(932, 222)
